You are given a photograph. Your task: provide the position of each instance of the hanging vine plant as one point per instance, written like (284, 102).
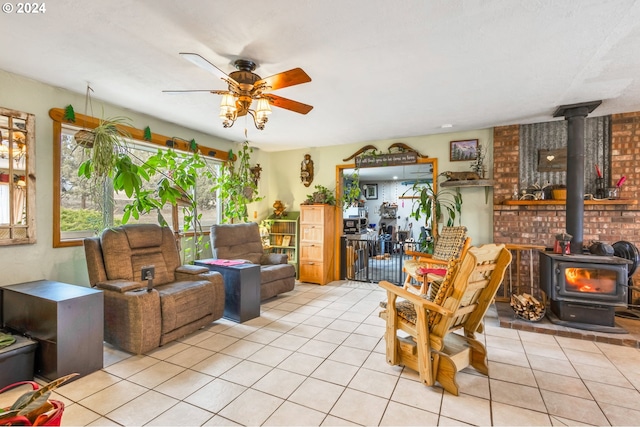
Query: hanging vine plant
(236, 186)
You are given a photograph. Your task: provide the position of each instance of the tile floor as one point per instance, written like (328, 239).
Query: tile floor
(316, 357)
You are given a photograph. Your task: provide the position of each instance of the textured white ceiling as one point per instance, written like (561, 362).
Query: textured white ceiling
(381, 69)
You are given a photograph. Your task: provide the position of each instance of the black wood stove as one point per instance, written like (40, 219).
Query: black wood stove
(584, 290)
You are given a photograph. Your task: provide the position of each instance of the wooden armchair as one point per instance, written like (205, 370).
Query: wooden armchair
(422, 268)
(432, 349)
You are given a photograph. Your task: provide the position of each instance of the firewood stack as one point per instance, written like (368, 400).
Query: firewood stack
(527, 307)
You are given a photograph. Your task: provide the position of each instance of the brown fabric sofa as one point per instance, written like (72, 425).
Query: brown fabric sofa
(242, 241)
(184, 297)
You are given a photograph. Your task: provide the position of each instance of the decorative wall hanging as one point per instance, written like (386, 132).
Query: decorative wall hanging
(552, 160)
(306, 170)
(398, 153)
(463, 150)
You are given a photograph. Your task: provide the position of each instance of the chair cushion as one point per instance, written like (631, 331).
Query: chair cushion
(185, 302)
(237, 241)
(272, 272)
(450, 243)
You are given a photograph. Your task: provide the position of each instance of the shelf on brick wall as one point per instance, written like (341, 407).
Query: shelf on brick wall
(562, 202)
(486, 183)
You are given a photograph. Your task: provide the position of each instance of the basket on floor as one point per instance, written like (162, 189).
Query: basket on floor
(41, 412)
(527, 307)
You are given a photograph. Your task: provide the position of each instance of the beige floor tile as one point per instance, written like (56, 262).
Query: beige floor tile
(620, 416)
(501, 355)
(273, 314)
(512, 373)
(292, 414)
(331, 335)
(343, 325)
(553, 351)
(197, 336)
(87, 385)
(318, 321)
(190, 357)
(113, 355)
(142, 409)
(497, 331)
(576, 344)
(350, 355)
(555, 366)
(217, 342)
(279, 383)
(257, 322)
(416, 394)
(507, 415)
(262, 407)
(295, 317)
(280, 326)
(216, 365)
(129, 366)
(263, 336)
(318, 348)
(563, 384)
(271, 356)
(180, 415)
(472, 382)
(317, 394)
(373, 382)
(335, 372)
(466, 408)
(331, 421)
(215, 395)
(329, 312)
(78, 415)
(516, 395)
(532, 337)
(246, 373)
(288, 306)
(101, 422)
(358, 407)
(397, 414)
(560, 421)
(242, 349)
(303, 364)
(504, 343)
(588, 358)
(375, 331)
(168, 350)
(446, 421)
(353, 316)
(573, 408)
(240, 330)
(306, 331)
(362, 342)
(378, 362)
(217, 420)
(183, 384)
(614, 395)
(110, 398)
(156, 374)
(289, 342)
(602, 375)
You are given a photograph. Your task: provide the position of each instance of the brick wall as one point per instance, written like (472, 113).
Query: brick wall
(538, 224)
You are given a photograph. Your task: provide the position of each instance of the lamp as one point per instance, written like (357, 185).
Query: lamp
(231, 107)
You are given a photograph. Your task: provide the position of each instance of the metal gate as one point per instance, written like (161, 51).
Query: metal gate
(372, 259)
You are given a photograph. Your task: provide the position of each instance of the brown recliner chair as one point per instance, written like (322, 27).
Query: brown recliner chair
(184, 298)
(242, 241)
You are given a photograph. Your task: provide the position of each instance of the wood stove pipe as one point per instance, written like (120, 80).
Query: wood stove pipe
(575, 115)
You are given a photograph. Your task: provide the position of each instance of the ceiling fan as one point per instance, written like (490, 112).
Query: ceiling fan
(245, 86)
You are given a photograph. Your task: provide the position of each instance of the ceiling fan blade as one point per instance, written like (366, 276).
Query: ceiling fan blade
(205, 65)
(285, 79)
(288, 104)
(188, 90)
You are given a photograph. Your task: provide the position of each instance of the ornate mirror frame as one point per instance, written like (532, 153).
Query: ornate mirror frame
(17, 178)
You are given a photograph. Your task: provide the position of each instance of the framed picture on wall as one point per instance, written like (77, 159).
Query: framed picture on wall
(464, 150)
(370, 191)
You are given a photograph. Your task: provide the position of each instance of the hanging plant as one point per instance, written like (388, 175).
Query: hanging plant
(236, 186)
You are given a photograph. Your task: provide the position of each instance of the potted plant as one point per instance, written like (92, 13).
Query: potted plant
(236, 186)
(434, 206)
(322, 196)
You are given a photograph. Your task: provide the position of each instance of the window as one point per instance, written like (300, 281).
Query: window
(78, 213)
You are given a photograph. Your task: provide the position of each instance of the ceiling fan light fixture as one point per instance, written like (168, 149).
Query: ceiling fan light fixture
(263, 109)
(228, 110)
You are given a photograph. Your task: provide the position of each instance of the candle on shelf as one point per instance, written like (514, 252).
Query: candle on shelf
(598, 171)
(621, 181)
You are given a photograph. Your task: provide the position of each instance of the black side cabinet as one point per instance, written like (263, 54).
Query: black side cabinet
(66, 321)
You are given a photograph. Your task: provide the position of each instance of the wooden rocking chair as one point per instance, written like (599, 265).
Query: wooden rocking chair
(423, 269)
(432, 349)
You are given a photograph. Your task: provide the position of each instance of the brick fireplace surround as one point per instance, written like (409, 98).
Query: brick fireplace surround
(537, 224)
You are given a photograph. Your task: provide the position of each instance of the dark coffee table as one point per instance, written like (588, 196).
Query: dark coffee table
(241, 287)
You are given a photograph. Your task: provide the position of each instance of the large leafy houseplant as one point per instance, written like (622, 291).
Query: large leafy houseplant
(434, 207)
(236, 186)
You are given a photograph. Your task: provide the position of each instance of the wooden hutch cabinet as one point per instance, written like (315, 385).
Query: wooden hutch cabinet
(317, 243)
